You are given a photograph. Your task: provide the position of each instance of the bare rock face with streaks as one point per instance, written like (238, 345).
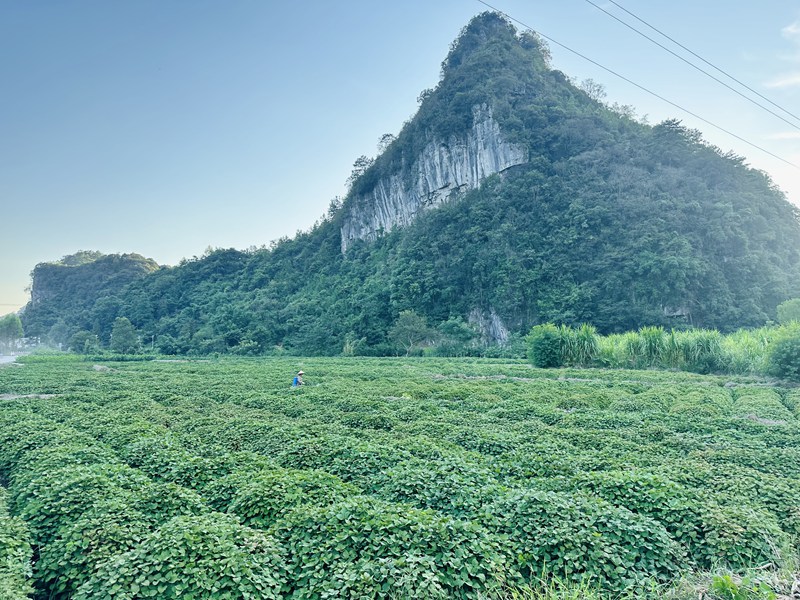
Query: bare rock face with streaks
(490, 326)
(444, 168)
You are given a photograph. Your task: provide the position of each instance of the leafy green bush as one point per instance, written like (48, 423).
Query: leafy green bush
(21, 432)
(579, 538)
(654, 399)
(393, 577)
(763, 404)
(193, 558)
(161, 501)
(759, 457)
(247, 434)
(270, 495)
(162, 458)
(353, 461)
(789, 311)
(783, 357)
(649, 494)
(544, 346)
(477, 439)
(451, 487)
(41, 461)
(117, 429)
(48, 502)
(330, 546)
(109, 528)
(220, 493)
(740, 537)
(792, 401)
(541, 459)
(734, 484)
(703, 402)
(366, 420)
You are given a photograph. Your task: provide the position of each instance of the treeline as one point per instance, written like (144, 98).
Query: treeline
(771, 350)
(10, 332)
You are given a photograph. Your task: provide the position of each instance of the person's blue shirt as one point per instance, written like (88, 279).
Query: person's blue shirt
(298, 379)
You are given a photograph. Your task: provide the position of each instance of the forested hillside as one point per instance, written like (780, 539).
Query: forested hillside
(63, 291)
(608, 220)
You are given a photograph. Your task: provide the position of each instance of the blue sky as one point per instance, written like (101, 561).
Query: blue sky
(164, 128)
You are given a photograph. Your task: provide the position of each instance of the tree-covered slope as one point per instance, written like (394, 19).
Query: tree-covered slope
(608, 220)
(63, 291)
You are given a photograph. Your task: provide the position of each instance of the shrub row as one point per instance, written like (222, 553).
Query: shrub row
(105, 530)
(641, 473)
(712, 528)
(15, 555)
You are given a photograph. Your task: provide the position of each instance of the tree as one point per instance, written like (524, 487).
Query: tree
(789, 311)
(385, 141)
(544, 346)
(409, 331)
(457, 337)
(594, 90)
(84, 342)
(360, 166)
(59, 333)
(783, 357)
(123, 336)
(10, 331)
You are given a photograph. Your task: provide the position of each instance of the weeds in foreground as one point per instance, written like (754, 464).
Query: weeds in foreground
(549, 588)
(755, 584)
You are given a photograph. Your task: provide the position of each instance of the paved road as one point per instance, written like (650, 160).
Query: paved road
(7, 359)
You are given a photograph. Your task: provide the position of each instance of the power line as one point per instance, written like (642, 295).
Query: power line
(677, 43)
(641, 87)
(694, 66)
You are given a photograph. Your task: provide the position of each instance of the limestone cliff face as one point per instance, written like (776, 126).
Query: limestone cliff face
(490, 326)
(444, 168)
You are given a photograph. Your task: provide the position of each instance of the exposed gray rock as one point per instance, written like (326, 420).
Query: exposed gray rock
(443, 169)
(676, 311)
(490, 326)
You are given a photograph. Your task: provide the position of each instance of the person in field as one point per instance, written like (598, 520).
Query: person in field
(298, 379)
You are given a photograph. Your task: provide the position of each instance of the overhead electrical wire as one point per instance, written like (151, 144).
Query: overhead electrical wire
(710, 64)
(694, 66)
(641, 87)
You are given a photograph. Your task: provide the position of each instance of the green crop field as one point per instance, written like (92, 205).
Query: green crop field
(389, 478)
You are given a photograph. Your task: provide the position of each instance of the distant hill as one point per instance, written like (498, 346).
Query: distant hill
(513, 197)
(63, 292)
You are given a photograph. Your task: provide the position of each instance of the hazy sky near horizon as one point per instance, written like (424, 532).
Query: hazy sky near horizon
(163, 128)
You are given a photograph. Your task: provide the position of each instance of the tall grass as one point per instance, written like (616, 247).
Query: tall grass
(555, 589)
(579, 346)
(744, 352)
